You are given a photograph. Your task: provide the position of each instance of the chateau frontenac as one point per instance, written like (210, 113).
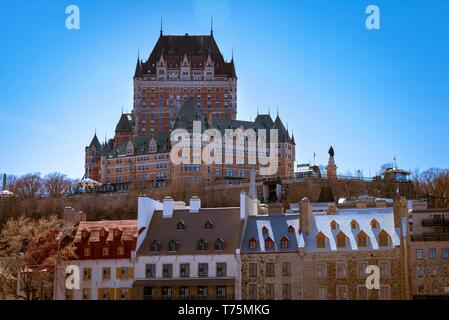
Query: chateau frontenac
(185, 79)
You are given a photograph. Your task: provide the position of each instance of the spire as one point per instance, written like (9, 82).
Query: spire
(277, 111)
(232, 54)
(257, 110)
(212, 26)
(4, 182)
(161, 28)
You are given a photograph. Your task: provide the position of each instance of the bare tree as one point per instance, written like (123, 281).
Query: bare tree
(435, 184)
(56, 185)
(30, 185)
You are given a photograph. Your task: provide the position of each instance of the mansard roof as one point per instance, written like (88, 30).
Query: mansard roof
(141, 145)
(197, 48)
(125, 123)
(189, 113)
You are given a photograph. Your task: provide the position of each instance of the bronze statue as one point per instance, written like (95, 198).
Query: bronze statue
(331, 152)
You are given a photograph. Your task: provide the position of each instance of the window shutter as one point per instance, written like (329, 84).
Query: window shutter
(100, 294)
(111, 294)
(117, 273)
(130, 294)
(130, 273)
(117, 293)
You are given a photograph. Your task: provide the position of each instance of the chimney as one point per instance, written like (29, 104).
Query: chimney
(360, 204)
(381, 203)
(331, 209)
(195, 204)
(243, 205)
(305, 214)
(4, 182)
(169, 206)
(400, 211)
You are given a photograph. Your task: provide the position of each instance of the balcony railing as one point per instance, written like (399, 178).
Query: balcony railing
(435, 222)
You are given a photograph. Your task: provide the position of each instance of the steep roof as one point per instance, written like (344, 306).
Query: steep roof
(95, 143)
(125, 123)
(326, 195)
(197, 48)
(189, 113)
(226, 222)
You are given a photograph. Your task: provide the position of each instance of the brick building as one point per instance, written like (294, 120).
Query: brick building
(429, 251)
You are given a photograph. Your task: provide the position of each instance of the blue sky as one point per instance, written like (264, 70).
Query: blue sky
(370, 93)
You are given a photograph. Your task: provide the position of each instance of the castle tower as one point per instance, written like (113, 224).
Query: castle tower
(331, 166)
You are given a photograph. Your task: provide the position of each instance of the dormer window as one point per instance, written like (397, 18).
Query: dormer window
(362, 240)
(291, 229)
(384, 239)
(284, 242)
(120, 251)
(269, 243)
(173, 246)
(105, 251)
(116, 233)
(354, 225)
(321, 241)
(252, 244)
(84, 235)
(202, 245)
(219, 245)
(374, 224)
(208, 225)
(87, 252)
(334, 225)
(264, 230)
(341, 240)
(181, 226)
(156, 246)
(102, 233)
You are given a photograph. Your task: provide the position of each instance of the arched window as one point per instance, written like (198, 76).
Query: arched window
(252, 244)
(219, 245)
(334, 225)
(284, 242)
(156, 246)
(116, 233)
(87, 252)
(264, 230)
(208, 225)
(321, 241)
(384, 239)
(202, 245)
(269, 243)
(354, 225)
(374, 224)
(102, 233)
(291, 229)
(362, 240)
(120, 251)
(341, 240)
(173, 246)
(105, 251)
(181, 226)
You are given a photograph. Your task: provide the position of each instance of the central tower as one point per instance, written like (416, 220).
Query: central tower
(178, 68)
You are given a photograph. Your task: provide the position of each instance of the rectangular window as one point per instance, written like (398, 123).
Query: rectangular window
(148, 293)
(286, 291)
(106, 273)
(166, 292)
(184, 270)
(433, 272)
(203, 292)
(86, 294)
(123, 294)
(252, 292)
(362, 293)
(419, 254)
(432, 253)
(342, 293)
(221, 269)
(321, 271)
(220, 292)
(286, 269)
(253, 270)
(269, 291)
(184, 292)
(341, 270)
(321, 293)
(150, 270)
(362, 269)
(384, 269)
(203, 270)
(420, 272)
(167, 270)
(445, 253)
(269, 269)
(87, 274)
